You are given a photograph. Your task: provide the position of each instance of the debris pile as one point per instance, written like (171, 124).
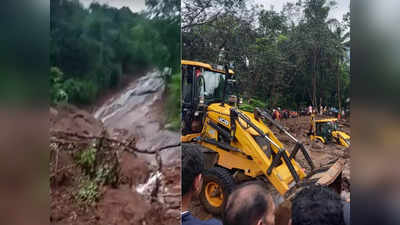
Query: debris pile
(98, 178)
(321, 154)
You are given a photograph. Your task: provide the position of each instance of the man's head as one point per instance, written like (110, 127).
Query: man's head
(317, 205)
(192, 167)
(249, 204)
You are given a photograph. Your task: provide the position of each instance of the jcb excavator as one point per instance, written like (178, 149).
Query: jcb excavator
(237, 145)
(326, 130)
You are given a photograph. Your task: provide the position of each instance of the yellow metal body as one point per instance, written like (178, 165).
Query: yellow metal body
(195, 63)
(214, 194)
(204, 65)
(189, 137)
(341, 137)
(251, 158)
(326, 120)
(258, 163)
(315, 137)
(344, 139)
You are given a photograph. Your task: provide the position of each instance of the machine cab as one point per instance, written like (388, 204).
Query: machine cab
(202, 85)
(325, 128)
(322, 129)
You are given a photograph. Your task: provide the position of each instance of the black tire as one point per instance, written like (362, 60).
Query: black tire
(222, 177)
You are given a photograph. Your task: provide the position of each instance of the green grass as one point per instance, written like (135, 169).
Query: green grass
(86, 159)
(173, 106)
(251, 104)
(88, 192)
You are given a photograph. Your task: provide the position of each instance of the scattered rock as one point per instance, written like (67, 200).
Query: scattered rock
(71, 132)
(170, 157)
(122, 206)
(317, 145)
(134, 170)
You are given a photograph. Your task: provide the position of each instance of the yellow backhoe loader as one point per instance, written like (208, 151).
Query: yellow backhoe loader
(327, 130)
(237, 145)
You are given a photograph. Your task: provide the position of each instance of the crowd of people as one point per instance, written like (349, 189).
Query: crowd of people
(251, 204)
(278, 113)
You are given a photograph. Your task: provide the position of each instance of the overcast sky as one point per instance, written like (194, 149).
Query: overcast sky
(342, 7)
(134, 5)
(337, 12)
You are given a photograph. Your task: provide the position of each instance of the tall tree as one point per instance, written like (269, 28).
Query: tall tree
(200, 12)
(287, 58)
(95, 47)
(315, 24)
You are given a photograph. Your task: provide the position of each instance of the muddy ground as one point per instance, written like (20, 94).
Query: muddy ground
(141, 184)
(321, 154)
(134, 177)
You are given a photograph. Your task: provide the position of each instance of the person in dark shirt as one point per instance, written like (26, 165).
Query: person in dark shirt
(192, 168)
(249, 204)
(317, 205)
(346, 212)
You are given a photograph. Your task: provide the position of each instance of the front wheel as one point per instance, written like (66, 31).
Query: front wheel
(217, 185)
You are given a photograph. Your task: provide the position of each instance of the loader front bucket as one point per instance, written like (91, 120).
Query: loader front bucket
(328, 176)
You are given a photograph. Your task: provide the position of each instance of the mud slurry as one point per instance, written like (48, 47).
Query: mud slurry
(145, 188)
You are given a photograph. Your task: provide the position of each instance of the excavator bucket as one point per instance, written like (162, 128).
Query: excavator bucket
(331, 178)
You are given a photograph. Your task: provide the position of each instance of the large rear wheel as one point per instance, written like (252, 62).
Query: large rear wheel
(217, 185)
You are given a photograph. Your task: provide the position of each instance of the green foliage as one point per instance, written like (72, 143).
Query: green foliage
(87, 160)
(252, 103)
(97, 172)
(246, 107)
(173, 102)
(57, 92)
(257, 103)
(95, 47)
(164, 8)
(105, 175)
(88, 192)
(292, 59)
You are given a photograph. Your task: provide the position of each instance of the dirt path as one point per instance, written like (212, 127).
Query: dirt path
(138, 112)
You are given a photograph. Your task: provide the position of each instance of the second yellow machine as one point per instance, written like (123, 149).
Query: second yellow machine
(327, 130)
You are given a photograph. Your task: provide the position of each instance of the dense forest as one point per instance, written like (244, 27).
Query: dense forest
(292, 58)
(92, 49)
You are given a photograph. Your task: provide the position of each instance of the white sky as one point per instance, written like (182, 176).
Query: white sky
(134, 5)
(342, 7)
